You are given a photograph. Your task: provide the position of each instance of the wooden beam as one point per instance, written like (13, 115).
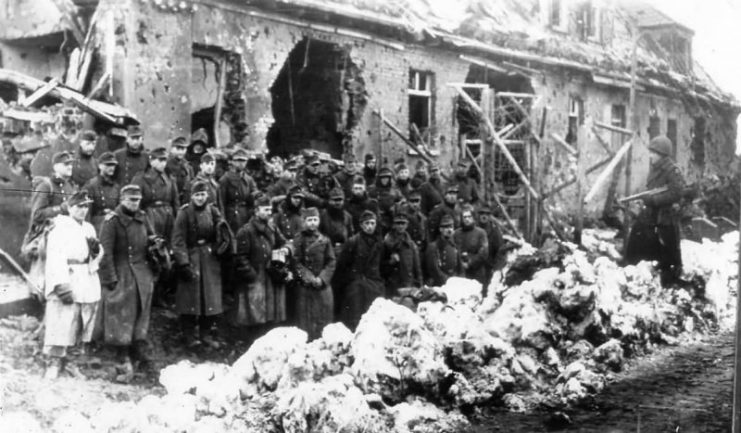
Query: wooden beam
(513, 130)
(516, 95)
(526, 113)
(572, 181)
(602, 142)
(507, 218)
(608, 170)
(100, 85)
(571, 151)
(483, 64)
(219, 100)
(403, 138)
(614, 128)
(40, 92)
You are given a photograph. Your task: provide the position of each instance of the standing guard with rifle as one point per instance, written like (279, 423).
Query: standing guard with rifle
(655, 234)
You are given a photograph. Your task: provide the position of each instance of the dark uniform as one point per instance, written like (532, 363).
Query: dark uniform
(182, 173)
(104, 192)
(159, 199)
(84, 168)
(438, 212)
(126, 276)
(655, 234)
(432, 191)
(129, 165)
(335, 222)
(356, 205)
(314, 257)
(387, 196)
(473, 246)
(400, 262)
(288, 220)
(442, 259)
(48, 196)
(237, 190)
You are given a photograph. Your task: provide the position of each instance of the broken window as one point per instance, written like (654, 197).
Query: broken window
(420, 102)
(576, 118)
(671, 133)
(587, 21)
(618, 118)
(555, 18)
(654, 127)
(698, 142)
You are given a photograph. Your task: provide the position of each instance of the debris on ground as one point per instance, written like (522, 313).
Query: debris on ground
(554, 327)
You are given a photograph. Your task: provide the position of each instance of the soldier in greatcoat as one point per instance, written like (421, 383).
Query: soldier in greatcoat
(387, 196)
(315, 264)
(127, 280)
(400, 263)
(449, 207)
(259, 300)
(85, 166)
(468, 188)
(160, 198)
(288, 220)
(442, 258)
(194, 245)
(494, 236)
(207, 168)
(72, 284)
(432, 190)
(417, 228)
(359, 202)
(335, 222)
(103, 190)
(473, 245)
(179, 168)
(132, 159)
(237, 190)
(403, 182)
(358, 275)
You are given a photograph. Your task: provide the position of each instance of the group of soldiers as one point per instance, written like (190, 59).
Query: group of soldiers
(301, 241)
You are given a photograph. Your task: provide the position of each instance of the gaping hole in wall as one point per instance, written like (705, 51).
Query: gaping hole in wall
(216, 90)
(505, 107)
(318, 98)
(698, 142)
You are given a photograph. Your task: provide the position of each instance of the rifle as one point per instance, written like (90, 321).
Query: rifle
(643, 194)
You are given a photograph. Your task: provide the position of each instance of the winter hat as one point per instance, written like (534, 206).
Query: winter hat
(367, 215)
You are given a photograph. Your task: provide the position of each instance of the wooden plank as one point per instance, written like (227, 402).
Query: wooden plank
(40, 92)
(608, 170)
(526, 113)
(514, 129)
(403, 138)
(507, 218)
(483, 64)
(613, 128)
(564, 144)
(516, 95)
(602, 142)
(100, 85)
(219, 100)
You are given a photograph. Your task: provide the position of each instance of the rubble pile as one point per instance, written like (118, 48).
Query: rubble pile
(554, 338)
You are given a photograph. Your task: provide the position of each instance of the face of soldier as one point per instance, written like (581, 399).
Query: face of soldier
(135, 143)
(158, 164)
(131, 202)
(311, 223)
(435, 174)
(446, 232)
(79, 211)
(415, 203)
(384, 181)
(296, 201)
(313, 167)
(239, 164)
(87, 147)
(400, 226)
(358, 189)
(263, 212)
(107, 170)
(371, 163)
(403, 174)
(451, 197)
(336, 203)
(199, 198)
(467, 218)
(178, 152)
(368, 226)
(483, 218)
(208, 168)
(350, 168)
(653, 157)
(63, 170)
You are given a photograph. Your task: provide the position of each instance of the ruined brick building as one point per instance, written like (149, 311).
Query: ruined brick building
(340, 75)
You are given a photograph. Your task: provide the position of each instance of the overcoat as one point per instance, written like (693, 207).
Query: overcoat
(129, 165)
(474, 244)
(441, 261)
(314, 257)
(407, 271)
(259, 299)
(194, 241)
(126, 308)
(159, 200)
(359, 276)
(337, 225)
(182, 174)
(104, 193)
(236, 191)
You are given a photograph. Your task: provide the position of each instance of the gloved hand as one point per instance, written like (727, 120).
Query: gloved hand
(93, 246)
(186, 273)
(64, 293)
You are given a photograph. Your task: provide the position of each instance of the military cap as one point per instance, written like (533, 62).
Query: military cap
(296, 191)
(401, 166)
(367, 215)
(207, 157)
(369, 157)
(134, 131)
(385, 172)
(446, 221)
(158, 153)
(415, 193)
(291, 164)
(451, 189)
(350, 159)
(434, 167)
(107, 158)
(419, 165)
(79, 198)
(485, 209)
(262, 200)
(199, 135)
(240, 155)
(199, 186)
(62, 158)
(179, 141)
(661, 145)
(310, 212)
(401, 217)
(88, 135)
(311, 159)
(131, 190)
(336, 193)
(358, 180)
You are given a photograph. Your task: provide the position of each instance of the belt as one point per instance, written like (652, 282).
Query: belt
(160, 203)
(201, 242)
(78, 262)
